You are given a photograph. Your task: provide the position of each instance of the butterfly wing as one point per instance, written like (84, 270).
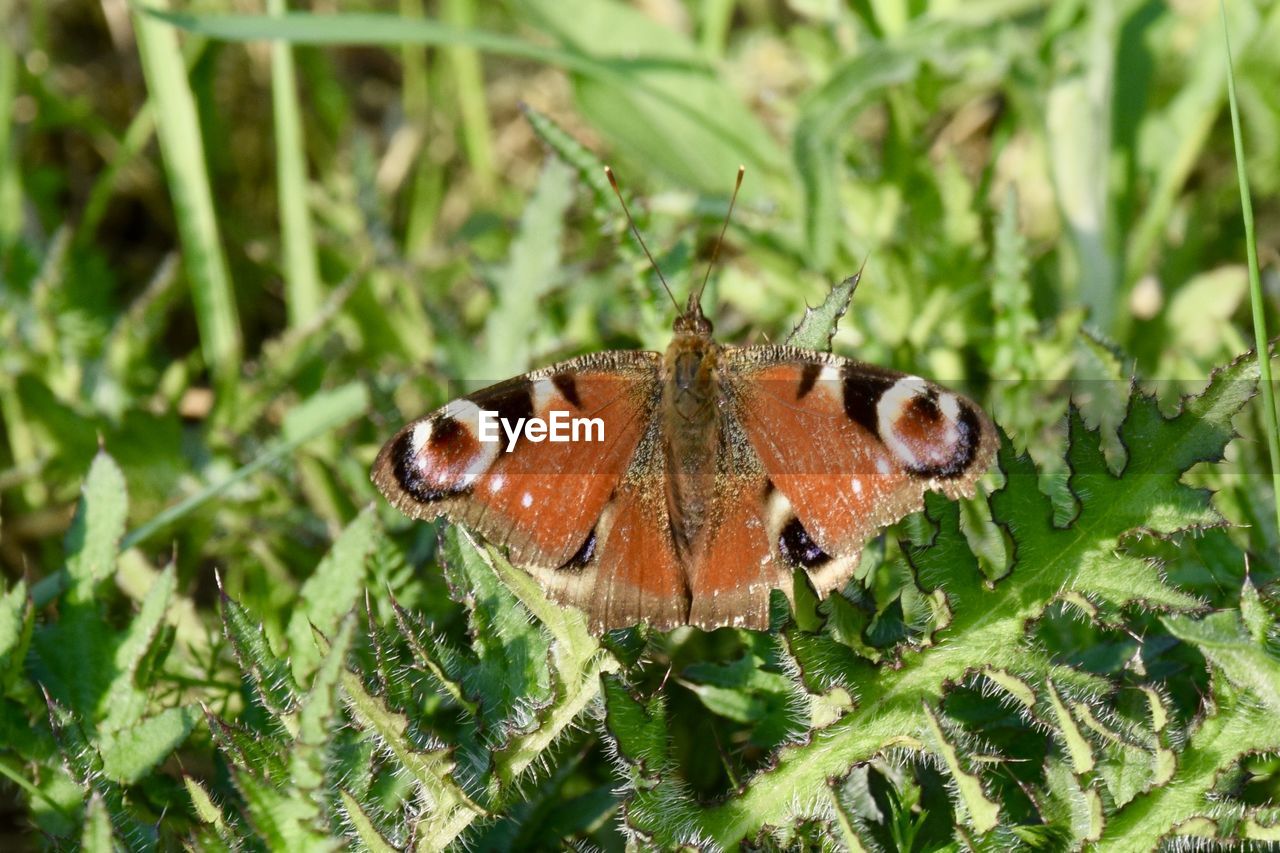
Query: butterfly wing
(585, 518)
(848, 447)
(629, 572)
(730, 577)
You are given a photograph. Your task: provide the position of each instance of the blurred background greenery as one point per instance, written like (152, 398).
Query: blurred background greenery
(239, 265)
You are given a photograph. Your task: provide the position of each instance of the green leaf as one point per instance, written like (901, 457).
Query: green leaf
(258, 753)
(318, 714)
(204, 806)
(589, 167)
(302, 276)
(331, 591)
(370, 28)
(446, 809)
(271, 676)
(637, 727)
(16, 624)
(1070, 804)
(182, 147)
(1078, 748)
(1257, 618)
(1233, 726)
(124, 699)
(655, 78)
(74, 660)
(130, 754)
(1224, 640)
(97, 836)
(979, 809)
(512, 653)
(97, 528)
(365, 830)
(578, 663)
(531, 271)
(818, 325)
(282, 819)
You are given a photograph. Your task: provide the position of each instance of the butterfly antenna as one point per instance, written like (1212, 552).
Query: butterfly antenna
(715, 253)
(613, 182)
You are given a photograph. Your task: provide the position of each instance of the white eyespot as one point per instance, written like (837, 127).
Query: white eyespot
(464, 412)
(856, 485)
(497, 483)
(467, 415)
(421, 435)
(777, 513)
(829, 382)
(526, 500)
(950, 408)
(893, 403)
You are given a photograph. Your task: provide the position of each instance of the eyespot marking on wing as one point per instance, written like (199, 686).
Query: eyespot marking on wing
(933, 434)
(798, 549)
(442, 457)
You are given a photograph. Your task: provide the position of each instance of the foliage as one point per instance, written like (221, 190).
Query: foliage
(212, 635)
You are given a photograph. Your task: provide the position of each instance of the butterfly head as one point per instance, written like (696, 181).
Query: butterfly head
(692, 322)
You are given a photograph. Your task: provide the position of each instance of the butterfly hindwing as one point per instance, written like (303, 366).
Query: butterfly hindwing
(738, 562)
(849, 446)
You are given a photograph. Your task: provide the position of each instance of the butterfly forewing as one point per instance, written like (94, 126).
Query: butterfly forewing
(541, 499)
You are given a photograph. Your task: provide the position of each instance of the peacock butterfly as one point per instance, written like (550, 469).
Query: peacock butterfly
(701, 478)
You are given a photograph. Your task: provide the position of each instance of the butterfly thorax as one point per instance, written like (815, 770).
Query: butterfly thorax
(691, 429)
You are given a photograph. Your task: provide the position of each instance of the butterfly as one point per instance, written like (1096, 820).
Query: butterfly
(703, 477)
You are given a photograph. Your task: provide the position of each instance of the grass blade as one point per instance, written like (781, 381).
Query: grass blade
(638, 87)
(182, 149)
(301, 273)
(356, 28)
(469, 79)
(10, 194)
(1257, 304)
(131, 145)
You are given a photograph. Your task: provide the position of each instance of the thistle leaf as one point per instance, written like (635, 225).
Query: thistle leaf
(272, 677)
(131, 753)
(818, 325)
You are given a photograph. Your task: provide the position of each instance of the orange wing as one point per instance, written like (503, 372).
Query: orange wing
(542, 499)
(732, 575)
(850, 447)
(629, 572)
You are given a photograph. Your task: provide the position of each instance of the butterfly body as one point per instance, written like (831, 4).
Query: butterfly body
(720, 470)
(692, 432)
